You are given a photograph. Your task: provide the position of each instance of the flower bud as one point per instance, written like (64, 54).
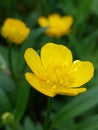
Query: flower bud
(8, 118)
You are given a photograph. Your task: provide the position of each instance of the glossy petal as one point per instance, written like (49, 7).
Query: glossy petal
(54, 19)
(54, 16)
(81, 72)
(34, 62)
(40, 85)
(53, 55)
(43, 21)
(70, 91)
(67, 21)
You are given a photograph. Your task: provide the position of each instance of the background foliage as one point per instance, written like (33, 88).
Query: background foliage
(28, 105)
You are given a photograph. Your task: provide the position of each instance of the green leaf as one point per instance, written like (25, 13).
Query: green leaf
(28, 124)
(8, 128)
(22, 98)
(20, 127)
(82, 17)
(4, 101)
(32, 19)
(67, 7)
(91, 123)
(39, 126)
(68, 125)
(77, 106)
(95, 7)
(91, 38)
(4, 54)
(5, 59)
(6, 83)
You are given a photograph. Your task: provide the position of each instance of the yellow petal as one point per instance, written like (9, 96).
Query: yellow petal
(70, 91)
(43, 21)
(54, 19)
(67, 21)
(39, 85)
(54, 16)
(81, 72)
(15, 30)
(34, 62)
(53, 55)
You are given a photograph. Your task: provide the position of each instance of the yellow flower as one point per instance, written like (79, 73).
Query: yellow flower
(14, 30)
(54, 72)
(58, 26)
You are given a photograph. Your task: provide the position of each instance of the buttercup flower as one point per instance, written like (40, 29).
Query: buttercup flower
(58, 26)
(54, 72)
(14, 30)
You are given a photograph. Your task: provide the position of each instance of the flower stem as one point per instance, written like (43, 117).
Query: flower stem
(47, 119)
(10, 61)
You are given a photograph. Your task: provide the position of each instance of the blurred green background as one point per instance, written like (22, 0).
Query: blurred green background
(26, 104)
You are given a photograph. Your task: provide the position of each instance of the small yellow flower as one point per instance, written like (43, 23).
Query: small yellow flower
(14, 30)
(58, 26)
(54, 72)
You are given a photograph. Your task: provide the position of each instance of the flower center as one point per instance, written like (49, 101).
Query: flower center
(58, 76)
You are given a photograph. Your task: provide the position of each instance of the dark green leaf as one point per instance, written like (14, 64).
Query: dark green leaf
(91, 123)
(77, 106)
(22, 98)
(4, 101)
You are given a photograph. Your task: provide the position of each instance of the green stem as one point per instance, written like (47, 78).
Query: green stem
(47, 119)
(10, 61)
